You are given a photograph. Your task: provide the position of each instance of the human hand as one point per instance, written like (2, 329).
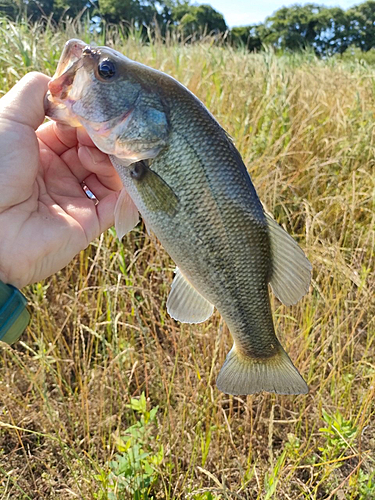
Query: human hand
(45, 216)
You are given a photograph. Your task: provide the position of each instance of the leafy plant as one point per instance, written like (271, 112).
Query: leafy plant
(272, 477)
(133, 471)
(366, 485)
(339, 433)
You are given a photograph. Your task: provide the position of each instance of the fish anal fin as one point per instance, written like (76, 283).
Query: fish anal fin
(185, 303)
(241, 375)
(291, 271)
(126, 214)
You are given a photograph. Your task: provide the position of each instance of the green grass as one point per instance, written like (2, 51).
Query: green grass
(74, 421)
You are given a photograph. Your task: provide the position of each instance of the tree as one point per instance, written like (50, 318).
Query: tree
(197, 18)
(333, 34)
(296, 27)
(360, 26)
(137, 11)
(249, 36)
(10, 9)
(326, 30)
(35, 9)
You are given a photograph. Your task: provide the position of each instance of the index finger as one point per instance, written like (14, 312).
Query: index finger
(60, 138)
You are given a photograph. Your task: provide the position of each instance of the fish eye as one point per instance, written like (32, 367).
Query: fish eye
(106, 69)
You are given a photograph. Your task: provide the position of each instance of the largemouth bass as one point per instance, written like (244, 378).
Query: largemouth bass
(183, 174)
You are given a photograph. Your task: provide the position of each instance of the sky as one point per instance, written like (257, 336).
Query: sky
(244, 12)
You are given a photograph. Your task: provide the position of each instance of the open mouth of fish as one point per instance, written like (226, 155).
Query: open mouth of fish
(58, 100)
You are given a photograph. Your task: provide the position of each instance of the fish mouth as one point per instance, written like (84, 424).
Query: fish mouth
(66, 69)
(59, 98)
(71, 53)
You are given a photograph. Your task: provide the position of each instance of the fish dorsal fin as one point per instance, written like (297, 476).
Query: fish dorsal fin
(291, 271)
(185, 303)
(126, 214)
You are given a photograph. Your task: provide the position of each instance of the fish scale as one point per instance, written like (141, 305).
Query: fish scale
(183, 174)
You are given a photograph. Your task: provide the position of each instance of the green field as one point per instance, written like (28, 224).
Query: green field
(106, 397)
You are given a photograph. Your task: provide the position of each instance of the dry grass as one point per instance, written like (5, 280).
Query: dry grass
(100, 334)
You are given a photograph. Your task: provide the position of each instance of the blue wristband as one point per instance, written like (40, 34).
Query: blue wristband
(14, 317)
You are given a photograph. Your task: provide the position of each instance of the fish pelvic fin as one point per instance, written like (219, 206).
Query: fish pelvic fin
(242, 374)
(126, 214)
(185, 303)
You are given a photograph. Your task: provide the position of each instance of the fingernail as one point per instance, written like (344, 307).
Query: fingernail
(63, 127)
(95, 155)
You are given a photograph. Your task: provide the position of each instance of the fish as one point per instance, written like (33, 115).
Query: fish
(182, 172)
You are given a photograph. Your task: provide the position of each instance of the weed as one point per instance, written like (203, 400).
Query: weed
(365, 485)
(340, 434)
(133, 470)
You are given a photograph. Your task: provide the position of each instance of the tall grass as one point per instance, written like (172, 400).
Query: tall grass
(74, 421)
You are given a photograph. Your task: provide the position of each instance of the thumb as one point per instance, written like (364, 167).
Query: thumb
(24, 103)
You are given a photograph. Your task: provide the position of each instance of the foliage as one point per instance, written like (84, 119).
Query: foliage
(197, 18)
(251, 37)
(360, 28)
(164, 14)
(133, 469)
(136, 11)
(11, 8)
(327, 31)
(339, 433)
(301, 26)
(37, 9)
(365, 485)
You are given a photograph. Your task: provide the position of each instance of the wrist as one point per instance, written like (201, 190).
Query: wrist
(11, 277)
(5, 275)
(14, 316)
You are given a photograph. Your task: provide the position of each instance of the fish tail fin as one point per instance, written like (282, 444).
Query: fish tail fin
(242, 374)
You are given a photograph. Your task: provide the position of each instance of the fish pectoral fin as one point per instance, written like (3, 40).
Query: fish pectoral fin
(185, 303)
(155, 192)
(126, 214)
(242, 374)
(291, 271)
